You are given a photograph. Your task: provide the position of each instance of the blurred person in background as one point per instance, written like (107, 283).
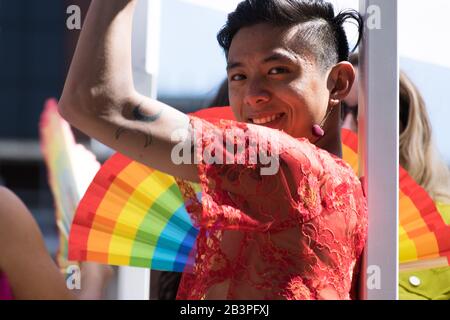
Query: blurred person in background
(27, 271)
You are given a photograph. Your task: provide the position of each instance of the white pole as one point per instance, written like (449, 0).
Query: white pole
(378, 147)
(134, 283)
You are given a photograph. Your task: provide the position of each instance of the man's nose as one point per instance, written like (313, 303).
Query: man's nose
(256, 94)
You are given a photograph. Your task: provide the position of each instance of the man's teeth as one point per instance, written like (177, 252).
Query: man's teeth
(266, 119)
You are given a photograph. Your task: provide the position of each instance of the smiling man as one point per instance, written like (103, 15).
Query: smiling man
(294, 234)
(287, 67)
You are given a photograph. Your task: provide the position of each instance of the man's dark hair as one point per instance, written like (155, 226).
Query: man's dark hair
(323, 31)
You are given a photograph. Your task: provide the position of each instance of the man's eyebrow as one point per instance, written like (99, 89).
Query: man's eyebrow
(233, 65)
(279, 57)
(274, 57)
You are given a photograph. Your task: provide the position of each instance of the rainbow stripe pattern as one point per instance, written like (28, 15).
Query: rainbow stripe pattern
(350, 148)
(133, 215)
(71, 168)
(423, 233)
(424, 237)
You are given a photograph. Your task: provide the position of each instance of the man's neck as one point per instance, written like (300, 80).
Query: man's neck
(331, 141)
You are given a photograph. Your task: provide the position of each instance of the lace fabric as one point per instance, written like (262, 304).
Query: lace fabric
(296, 234)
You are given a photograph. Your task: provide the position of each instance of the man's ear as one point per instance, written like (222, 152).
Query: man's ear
(340, 81)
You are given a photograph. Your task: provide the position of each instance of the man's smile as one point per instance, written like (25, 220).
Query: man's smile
(265, 118)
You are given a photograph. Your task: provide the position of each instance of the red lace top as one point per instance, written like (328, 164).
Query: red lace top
(296, 234)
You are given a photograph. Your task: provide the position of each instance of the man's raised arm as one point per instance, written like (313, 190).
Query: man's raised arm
(99, 97)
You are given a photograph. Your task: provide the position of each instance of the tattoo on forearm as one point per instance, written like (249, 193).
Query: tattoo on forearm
(148, 136)
(140, 116)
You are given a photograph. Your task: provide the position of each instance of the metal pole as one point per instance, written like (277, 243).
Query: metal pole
(378, 144)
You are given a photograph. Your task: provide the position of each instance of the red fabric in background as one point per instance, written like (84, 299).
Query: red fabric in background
(215, 113)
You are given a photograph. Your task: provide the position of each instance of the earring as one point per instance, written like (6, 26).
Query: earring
(317, 129)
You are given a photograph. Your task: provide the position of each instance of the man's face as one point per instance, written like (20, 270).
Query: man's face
(275, 82)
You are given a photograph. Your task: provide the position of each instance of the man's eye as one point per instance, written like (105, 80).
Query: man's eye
(237, 77)
(278, 70)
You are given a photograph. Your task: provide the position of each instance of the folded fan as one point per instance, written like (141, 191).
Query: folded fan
(424, 237)
(70, 168)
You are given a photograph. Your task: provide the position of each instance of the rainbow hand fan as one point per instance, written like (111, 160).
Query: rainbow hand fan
(424, 237)
(70, 169)
(133, 215)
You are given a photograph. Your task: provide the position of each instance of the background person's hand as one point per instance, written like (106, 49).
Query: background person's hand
(94, 280)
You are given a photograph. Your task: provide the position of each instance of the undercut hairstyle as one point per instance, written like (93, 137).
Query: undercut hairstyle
(321, 32)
